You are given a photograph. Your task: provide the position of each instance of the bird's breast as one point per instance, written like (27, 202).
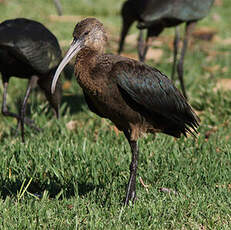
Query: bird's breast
(89, 85)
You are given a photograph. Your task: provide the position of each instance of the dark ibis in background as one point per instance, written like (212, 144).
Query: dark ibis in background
(137, 98)
(29, 50)
(155, 15)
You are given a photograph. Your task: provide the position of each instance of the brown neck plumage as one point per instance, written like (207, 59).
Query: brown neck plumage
(85, 62)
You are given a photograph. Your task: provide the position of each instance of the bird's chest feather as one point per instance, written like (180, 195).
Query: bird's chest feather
(93, 79)
(103, 92)
(88, 84)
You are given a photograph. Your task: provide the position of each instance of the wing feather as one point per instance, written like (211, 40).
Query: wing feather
(155, 94)
(31, 42)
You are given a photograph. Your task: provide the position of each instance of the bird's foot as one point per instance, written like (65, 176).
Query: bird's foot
(131, 190)
(32, 125)
(130, 197)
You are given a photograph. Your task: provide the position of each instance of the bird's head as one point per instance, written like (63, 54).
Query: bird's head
(88, 33)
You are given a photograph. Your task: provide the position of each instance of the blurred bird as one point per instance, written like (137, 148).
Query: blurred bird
(155, 15)
(29, 50)
(137, 98)
(58, 7)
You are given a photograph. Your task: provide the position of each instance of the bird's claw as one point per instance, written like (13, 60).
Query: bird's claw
(130, 198)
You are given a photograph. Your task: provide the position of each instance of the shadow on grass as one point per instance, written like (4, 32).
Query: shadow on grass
(74, 103)
(53, 188)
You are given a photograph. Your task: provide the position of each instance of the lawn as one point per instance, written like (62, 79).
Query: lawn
(73, 174)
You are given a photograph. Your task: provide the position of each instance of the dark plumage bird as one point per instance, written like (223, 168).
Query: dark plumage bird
(155, 15)
(137, 98)
(29, 50)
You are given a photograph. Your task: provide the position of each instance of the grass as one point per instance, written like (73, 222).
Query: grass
(75, 178)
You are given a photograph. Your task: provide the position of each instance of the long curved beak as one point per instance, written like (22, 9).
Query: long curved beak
(73, 50)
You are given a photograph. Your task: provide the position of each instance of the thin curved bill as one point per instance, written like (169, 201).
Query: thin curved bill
(73, 50)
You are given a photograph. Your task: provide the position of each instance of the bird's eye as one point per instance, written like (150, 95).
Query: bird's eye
(86, 33)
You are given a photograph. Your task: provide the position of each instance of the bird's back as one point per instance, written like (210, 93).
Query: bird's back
(30, 43)
(150, 93)
(185, 10)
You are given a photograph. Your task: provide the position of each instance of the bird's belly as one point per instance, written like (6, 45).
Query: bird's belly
(117, 111)
(15, 68)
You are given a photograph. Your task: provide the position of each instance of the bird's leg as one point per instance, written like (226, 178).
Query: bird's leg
(175, 51)
(146, 46)
(141, 46)
(5, 110)
(23, 108)
(56, 112)
(188, 31)
(58, 7)
(126, 26)
(131, 187)
(152, 33)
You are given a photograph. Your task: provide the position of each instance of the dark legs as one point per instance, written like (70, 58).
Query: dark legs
(5, 111)
(125, 28)
(21, 118)
(188, 31)
(144, 45)
(58, 7)
(31, 83)
(175, 51)
(131, 187)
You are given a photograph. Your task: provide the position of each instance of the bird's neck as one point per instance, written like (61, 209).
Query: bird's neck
(87, 57)
(86, 61)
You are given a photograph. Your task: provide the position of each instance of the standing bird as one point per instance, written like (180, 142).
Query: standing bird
(155, 15)
(137, 98)
(29, 50)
